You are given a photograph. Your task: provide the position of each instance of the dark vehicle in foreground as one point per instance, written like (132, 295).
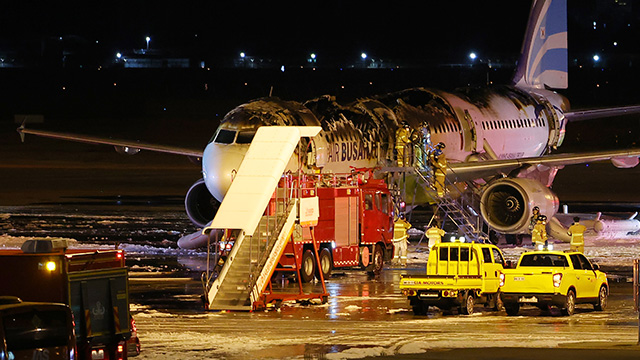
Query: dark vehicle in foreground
(92, 282)
(36, 330)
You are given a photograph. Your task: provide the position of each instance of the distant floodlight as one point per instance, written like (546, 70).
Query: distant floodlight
(119, 55)
(313, 56)
(363, 56)
(282, 68)
(472, 56)
(596, 58)
(148, 39)
(242, 55)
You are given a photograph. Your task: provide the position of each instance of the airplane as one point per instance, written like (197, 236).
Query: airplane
(502, 138)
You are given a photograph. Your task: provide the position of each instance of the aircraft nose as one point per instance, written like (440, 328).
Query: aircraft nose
(220, 162)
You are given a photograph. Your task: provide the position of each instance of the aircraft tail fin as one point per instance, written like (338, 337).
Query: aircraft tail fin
(544, 57)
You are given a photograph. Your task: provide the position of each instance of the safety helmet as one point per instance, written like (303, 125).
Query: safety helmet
(542, 218)
(441, 145)
(535, 208)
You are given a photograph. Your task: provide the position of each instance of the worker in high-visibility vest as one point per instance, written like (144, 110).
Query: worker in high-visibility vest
(434, 234)
(534, 217)
(539, 232)
(576, 231)
(438, 163)
(400, 241)
(403, 148)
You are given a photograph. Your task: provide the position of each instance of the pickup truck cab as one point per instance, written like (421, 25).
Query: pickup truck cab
(554, 278)
(459, 275)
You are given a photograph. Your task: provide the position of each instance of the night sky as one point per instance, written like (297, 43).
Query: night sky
(278, 29)
(437, 30)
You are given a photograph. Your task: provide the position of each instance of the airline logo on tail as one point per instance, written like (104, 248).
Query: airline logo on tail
(543, 61)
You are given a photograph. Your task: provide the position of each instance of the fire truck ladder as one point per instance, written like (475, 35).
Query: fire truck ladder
(241, 213)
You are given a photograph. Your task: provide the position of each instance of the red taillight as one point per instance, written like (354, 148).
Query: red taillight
(557, 279)
(120, 351)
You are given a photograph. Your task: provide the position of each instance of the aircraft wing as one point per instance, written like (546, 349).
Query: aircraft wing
(601, 113)
(121, 146)
(480, 169)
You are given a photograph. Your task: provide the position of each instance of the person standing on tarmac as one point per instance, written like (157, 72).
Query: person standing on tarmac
(403, 147)
(434, 234)
(576, 231)
(401, 240)
(534, 218)
(438, 162)
(539, 232)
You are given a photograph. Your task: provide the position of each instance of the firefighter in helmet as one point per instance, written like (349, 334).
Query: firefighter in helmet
(534, 217)
(576, 231)
(539, 232)
(434, 234)
(438, 162)
(403, 147)
(401, 240)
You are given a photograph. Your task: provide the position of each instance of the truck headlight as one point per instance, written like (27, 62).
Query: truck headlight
(50, 265)
(557, 279)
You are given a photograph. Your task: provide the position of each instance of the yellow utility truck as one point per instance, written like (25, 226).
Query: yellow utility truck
(459, 275)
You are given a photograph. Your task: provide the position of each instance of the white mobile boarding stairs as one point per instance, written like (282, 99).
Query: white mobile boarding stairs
(259, 240)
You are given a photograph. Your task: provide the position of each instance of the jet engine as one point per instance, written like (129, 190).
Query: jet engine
(200, 205)
(506, 204)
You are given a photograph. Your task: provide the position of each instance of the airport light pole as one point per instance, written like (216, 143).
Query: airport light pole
(148, 39)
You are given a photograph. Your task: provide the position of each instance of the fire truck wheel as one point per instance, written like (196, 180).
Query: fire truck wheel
(308, 268)
(326, 264)
(378, 260)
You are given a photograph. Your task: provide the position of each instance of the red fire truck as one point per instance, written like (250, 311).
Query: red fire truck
(354, 227)
(93, 283)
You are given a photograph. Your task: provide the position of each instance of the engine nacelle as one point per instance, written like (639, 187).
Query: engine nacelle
(506, 205)
(200, 205)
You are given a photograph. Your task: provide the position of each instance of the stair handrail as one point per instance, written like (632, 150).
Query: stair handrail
(271, 243)
(215, 286)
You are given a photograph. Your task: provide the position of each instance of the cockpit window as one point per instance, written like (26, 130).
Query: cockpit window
(225, 137)
(245, 137)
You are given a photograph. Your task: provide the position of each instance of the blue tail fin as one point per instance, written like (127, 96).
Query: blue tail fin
(544, 57)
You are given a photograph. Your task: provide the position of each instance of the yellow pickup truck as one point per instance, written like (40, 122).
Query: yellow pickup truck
(554, 278)
(459, 275)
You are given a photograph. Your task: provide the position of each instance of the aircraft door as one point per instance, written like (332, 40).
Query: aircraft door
(469, 133)
(545, 109)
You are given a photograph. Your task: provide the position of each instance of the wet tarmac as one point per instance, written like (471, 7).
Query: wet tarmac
(365, 316)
